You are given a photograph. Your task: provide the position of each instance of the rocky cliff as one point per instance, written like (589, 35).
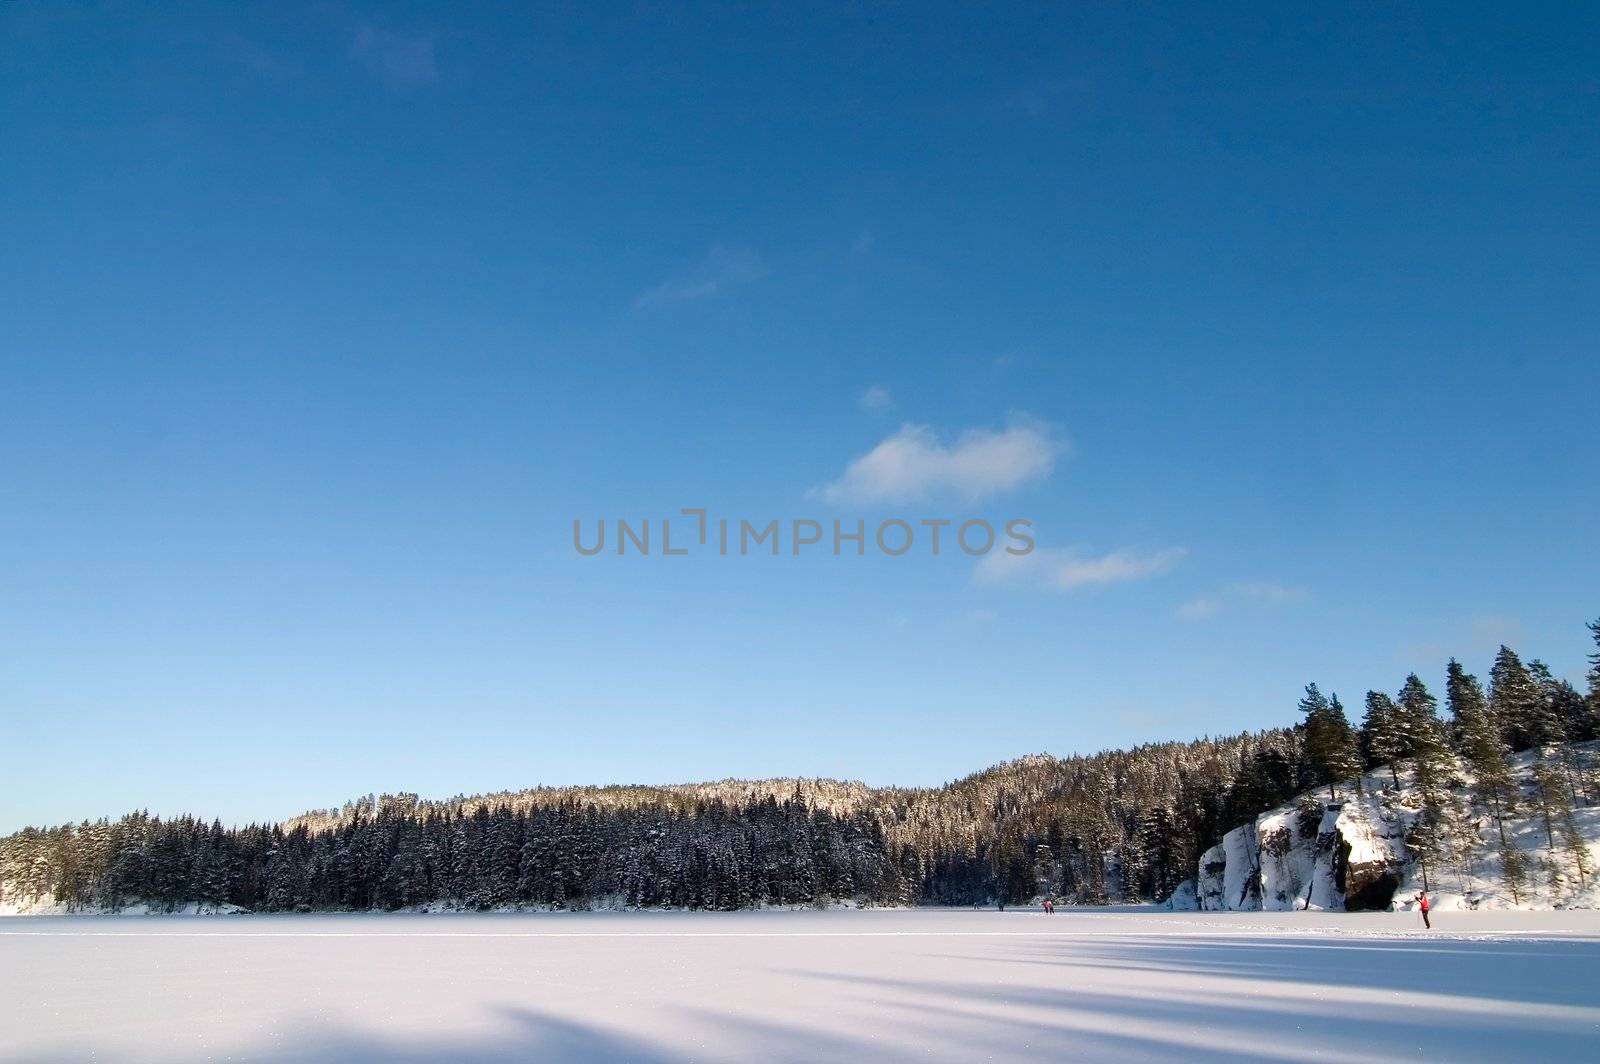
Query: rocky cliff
(1350, 852)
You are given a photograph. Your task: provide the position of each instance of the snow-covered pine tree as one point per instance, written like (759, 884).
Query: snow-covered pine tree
(1481, 744)
(1577, 848)
(1434, 837)
(1515, 699)
(1344, 749)
(1594, 674)
(1330, 746)
(1553, 787)
(1383, 734)
(1572, 710)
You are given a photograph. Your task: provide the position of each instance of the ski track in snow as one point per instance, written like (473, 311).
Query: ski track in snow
(1130, 985)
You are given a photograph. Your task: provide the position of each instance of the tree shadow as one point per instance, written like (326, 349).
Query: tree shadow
(1228, 999)
(1224, 998)
(521, 1034)
(1560, 973)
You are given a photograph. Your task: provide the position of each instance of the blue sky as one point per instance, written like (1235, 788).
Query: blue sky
(320, 324)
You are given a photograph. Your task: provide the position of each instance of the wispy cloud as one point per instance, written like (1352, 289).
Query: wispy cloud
(269, 64)
(913, 464)
(1473, 641)
(876, 398)
(1493, 630)
(1243, 592)
(1143, 718)
(863, 244)
(1037, 98)
(1266, 591)
(1065, 569)
(1030, 102)
(399, 61)
(1199, 609)
(722, 269)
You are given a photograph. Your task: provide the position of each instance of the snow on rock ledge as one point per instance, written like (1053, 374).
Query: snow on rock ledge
(1351, 854)
(1306, 854)
(1184, 899)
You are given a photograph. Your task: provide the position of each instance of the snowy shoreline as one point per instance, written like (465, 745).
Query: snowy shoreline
(1071, 921)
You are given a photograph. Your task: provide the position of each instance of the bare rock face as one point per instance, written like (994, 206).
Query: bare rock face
(1368, 884)
(1184, 898)
(1306, 854)
(1345, 848)
(1230, 872)
(1369, 853)
(1209, 885)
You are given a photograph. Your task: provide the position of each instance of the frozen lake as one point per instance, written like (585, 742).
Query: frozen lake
(919, 985)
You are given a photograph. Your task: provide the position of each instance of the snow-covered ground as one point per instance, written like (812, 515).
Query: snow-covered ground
(1121, 985)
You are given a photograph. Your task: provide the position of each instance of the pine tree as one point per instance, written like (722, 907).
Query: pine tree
(1434, 834)
(1543, 722)
(1591, 729)
(1572, 712)
(1577, 848)
(1514, 871)
(1594, 671)
(1344, 749)
(1574, 726)
(1479, 740)
(1553, 786)
(1383, 734)
(1314, 707)
(1330, 746)
(280, 875)
(1514, 698)
(1424, 732)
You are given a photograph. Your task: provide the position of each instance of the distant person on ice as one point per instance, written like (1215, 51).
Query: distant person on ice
(1422, 903)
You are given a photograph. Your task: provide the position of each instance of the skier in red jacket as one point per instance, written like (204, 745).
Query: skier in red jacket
(1422, 903)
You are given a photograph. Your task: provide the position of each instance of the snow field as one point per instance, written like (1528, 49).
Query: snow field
(887, 985)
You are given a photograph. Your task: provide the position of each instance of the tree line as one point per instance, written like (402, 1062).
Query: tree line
(1118, 825)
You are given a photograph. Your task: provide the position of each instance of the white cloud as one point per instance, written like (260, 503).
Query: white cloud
(1039, 97)
(1475, 640)
(723, 268)
(1029, 102)
(876, 397)
(913, 464)
(1492, 631)
(1068, 570)
(1252, 592)
(1141, 718)
(398, 61)
(262, 61)
(1266, 591)
(1199, 609)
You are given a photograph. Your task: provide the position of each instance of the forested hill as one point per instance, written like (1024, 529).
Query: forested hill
(836, 796)
(1118, 825)
(727, 844)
